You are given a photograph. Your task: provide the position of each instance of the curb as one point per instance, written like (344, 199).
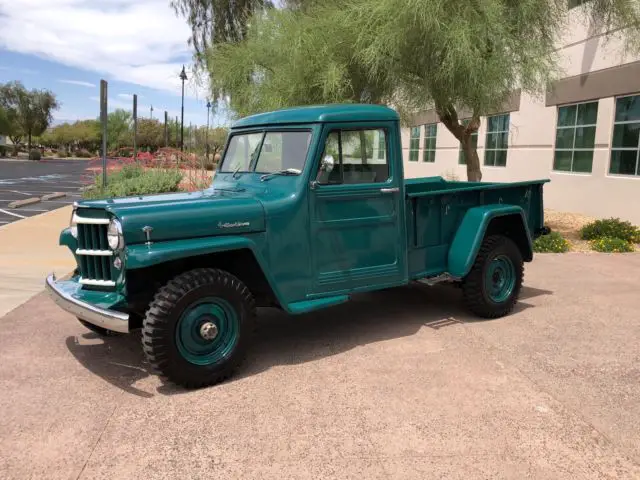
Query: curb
(24, 203)
(53, 196)
(32, 200)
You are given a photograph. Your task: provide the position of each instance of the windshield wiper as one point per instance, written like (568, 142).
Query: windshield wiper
(286, 171)
(236, 171)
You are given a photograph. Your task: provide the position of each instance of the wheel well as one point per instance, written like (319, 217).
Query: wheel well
(142, 283)
(512, 226)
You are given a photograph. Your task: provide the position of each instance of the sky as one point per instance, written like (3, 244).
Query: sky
(68, 46)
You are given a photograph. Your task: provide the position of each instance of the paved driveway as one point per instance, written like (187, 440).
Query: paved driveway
(397, 384)
(25, 179)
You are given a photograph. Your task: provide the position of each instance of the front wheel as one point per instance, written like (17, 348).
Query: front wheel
(492, 287)
(198, 327)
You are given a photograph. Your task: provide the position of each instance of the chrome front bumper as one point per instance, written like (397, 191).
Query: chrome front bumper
(101, 317)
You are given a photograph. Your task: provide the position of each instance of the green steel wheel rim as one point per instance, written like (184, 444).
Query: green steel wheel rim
(207, 331)
(500, 278)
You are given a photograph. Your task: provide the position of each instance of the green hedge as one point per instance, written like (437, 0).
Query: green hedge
(135, 180)
(612, 228)
(35, 154)
(551, 243)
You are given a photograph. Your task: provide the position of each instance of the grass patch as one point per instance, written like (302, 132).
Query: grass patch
(134, 180)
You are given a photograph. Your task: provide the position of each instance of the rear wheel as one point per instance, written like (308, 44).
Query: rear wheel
(492, 287)
(103, 332)
(198, 327)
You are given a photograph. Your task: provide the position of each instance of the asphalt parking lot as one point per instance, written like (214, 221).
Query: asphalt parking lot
(25, 179)
(398, 384)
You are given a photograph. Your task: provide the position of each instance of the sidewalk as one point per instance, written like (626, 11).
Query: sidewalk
(29, 251)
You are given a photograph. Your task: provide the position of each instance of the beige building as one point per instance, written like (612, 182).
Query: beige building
(583, 134)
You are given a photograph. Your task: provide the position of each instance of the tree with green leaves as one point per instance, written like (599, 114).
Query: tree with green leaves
(414, 54)
(119, 128)
(5, 126)
(150, 133)
(29, 112)
(292, 57)
(217, 21)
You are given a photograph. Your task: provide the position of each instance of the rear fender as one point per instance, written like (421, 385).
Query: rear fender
(508, 220)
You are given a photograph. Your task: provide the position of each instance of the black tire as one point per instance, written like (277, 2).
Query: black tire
(103, 332)
(165, 319)
(477, 292)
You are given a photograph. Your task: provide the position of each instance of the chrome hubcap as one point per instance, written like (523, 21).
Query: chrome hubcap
(208, 331)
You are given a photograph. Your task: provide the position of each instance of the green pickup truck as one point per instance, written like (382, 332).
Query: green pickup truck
(308, 206)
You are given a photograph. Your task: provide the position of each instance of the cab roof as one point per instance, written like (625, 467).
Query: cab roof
(318, 114)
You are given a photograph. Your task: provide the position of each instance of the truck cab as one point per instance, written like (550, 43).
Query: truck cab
(308, 206)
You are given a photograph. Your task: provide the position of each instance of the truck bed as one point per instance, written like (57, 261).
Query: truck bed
(435, 208)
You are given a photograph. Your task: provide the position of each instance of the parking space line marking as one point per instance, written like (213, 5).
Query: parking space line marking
(32, 210)
(12, 214)
(19, 193)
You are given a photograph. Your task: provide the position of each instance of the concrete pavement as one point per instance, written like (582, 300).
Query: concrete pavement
(29, 251)
(397, 384)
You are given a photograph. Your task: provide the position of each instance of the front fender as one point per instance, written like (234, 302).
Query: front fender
(471, 232)
(143, 255)
(146, 255)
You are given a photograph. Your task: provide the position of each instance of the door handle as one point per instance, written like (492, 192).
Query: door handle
(390, 190)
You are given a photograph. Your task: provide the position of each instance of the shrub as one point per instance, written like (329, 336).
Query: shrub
(611, 227)
(3, 151)
(135, 180)
(35, 154)
(62, 153)
(84, 153)
(551, 243)
(611, 245)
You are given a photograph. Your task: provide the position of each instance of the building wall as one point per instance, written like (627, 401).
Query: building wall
(532, 134)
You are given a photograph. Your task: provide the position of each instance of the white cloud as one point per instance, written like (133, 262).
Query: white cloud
(141, 42)
(79, 82)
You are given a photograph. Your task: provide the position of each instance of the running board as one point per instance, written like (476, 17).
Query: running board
(443, 277)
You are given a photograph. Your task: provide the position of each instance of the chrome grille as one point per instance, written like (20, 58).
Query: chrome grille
(93, 253)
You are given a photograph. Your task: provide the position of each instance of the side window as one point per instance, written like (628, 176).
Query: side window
(360, 156)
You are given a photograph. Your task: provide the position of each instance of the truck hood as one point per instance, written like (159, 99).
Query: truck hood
(184, 215)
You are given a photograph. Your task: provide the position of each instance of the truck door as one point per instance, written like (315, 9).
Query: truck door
(357, 228)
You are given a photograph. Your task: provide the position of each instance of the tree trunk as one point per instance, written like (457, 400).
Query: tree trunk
(474, 174)
(463, 133)
(29, 142)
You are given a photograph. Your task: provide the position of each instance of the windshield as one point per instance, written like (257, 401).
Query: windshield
(266, 152)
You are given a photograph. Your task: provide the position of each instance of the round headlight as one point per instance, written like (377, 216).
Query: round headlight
(73, 224)
(114, 235)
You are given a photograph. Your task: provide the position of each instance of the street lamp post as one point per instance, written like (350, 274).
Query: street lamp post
(206, 134)
(183, 77)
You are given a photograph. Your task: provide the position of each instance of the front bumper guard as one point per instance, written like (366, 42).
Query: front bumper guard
(101, 317)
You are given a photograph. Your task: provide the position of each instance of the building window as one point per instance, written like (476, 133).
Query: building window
(462, 159)
(430, 133)
(575, 137)
(497, 142)
(625, 148)
(414, 144)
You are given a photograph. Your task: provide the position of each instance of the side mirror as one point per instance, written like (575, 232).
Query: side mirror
(326, 167)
